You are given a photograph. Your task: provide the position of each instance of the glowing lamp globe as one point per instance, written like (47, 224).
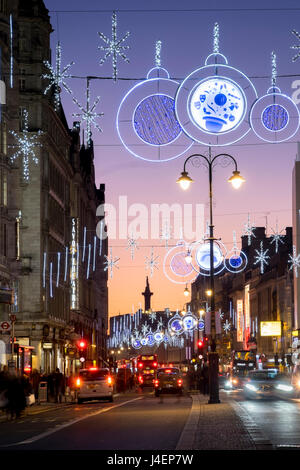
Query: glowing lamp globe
(236, 179)
(184, 180)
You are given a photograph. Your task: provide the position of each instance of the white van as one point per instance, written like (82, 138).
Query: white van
(94, 384)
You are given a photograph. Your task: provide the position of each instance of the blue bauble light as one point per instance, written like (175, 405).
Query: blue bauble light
(275, 117)
(235, 261)
(155, 121)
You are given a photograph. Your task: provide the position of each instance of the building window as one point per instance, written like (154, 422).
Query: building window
(21, 84)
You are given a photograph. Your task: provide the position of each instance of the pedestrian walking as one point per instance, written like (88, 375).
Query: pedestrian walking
(35, 381)
(59, 386)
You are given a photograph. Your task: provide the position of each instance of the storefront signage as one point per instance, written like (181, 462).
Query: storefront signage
(239, 321)
(270, 328)
(47, 345)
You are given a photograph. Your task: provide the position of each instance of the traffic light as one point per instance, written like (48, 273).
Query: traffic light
(200, 345)
(82, 346)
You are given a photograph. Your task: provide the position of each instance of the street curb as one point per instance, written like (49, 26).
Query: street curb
(259, 439)
(187, 437)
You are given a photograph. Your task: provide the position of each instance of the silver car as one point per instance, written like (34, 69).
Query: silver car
(267, 383)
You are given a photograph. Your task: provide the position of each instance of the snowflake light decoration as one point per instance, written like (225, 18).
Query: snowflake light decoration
(221, 314)
(25, 145)
(152, 316)
(132, 244)
(158, 54)
(57, 76)
(151, 262)
(249, 230)
(227, 326)
(295, 261)
(114, 47)
(145, 328)
(296, 47)
(111, 262)
(262, 257)
(277, 238)
(88, 114)
(166, 234)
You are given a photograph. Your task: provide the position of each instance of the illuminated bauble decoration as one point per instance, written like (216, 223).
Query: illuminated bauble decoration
(201, 325)
(236, 261)
(175, 325)
(136, 344)
(274, 117)
(201, 257)
(189, 322)
(146, 121)
(176, 269)
(155, 121)
(217, 105)
(213, 102)
(150, 339)
(144, 341)
(158, 336)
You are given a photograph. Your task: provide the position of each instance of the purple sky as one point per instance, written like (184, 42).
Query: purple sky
(247, 39)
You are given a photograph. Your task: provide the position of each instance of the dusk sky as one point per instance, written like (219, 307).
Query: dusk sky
(247, 39)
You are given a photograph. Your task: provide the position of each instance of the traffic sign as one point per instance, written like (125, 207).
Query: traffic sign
(5, 326)
(12, 317)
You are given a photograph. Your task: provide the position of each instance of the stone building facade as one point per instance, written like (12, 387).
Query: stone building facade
(45, 215)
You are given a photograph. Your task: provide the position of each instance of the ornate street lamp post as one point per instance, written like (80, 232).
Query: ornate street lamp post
(236, 180)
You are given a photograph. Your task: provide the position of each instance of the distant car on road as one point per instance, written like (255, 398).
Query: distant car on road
(94, 384)
(168, 379)
(267, 383)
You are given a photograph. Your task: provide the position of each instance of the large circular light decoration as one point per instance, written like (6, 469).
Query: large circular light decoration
(175, 325)
(274, 117)
(175, 267)
(212, 103)
(201, 257)
(146, 121)
(217, 105)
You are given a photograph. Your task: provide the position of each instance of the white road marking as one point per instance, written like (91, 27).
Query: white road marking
(70, 423)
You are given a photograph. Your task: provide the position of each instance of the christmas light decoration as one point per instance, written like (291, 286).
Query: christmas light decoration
(274, 117)
(114, 46)
(296, 47)
(132, 244)
(212, 103)
(57, 77)
(66, 263)
(88, 114)
(152, 316)
(158, 54)
(146, 120)
(236, 260)
(44, 269)
(262, 257)
(249, 230)
(11, 67)
(227, 326)
(151, 262)
(276, 237)
(294, 261)
(26, 143)
(111, 262)
(166, 234)
(58, 269)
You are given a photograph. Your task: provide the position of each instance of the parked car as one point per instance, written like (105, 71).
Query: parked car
(168, 379)
(94, 384)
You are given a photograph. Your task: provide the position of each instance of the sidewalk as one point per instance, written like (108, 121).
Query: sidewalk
(219, 426)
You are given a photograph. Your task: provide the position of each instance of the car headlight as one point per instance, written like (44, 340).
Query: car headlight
(228, 384)
(251, 387)
(285, 388)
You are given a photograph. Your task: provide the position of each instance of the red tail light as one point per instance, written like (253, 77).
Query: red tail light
(154, 364)
(179, 381)
(78, 382)
(109, 380)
